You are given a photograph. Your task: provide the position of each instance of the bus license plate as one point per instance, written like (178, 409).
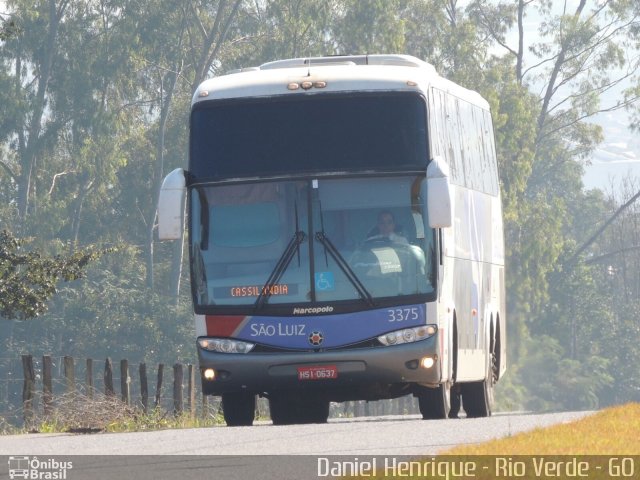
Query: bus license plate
(326, 372)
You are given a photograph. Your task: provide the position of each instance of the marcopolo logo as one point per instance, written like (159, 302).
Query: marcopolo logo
(38, 469)
(307, 310)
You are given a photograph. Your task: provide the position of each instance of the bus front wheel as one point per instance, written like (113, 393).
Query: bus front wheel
(239, 408)
(435, 403)
(297, 409)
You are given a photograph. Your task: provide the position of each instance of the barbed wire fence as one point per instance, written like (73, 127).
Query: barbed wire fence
(33, 389)
(86, 394)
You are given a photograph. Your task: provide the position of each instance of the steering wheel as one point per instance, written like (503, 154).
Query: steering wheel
(377, 240)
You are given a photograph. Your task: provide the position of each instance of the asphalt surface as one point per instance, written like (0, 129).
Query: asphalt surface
(262, 451)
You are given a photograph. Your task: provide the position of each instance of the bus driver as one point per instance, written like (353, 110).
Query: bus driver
(386, 229)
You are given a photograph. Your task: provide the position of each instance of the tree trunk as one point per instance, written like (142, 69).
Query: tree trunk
(551, 86)
(28, 153)
(520, 53)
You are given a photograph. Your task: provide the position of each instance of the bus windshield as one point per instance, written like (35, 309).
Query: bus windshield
(308, 134)
(301, 242)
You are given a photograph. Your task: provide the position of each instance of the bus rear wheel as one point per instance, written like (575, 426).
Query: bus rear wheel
(238, 408)
(435, 403)
(478, 397)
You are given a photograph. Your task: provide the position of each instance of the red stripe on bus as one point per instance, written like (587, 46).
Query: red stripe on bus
(222, 325)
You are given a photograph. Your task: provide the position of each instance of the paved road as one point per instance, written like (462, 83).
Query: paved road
(149, 452)
(387, 435)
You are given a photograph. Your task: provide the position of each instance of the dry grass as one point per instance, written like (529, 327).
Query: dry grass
(613, 431)
(597, 447)
(79, 413)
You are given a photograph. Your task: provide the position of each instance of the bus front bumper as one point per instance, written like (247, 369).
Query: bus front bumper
(349, 369)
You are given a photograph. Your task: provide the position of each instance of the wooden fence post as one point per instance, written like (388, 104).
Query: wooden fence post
(70, 375)
(108, 378)
(191, 372)
(178, 374)
(205, 405)
(124, 381)
(144, 388)
(89, 378)
(28, 388)
(47, 384)
(159, 385)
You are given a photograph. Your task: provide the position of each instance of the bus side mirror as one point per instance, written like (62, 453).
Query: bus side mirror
(171, 206)
(439, 205)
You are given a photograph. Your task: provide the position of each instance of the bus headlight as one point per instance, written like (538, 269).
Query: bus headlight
(408, 335)
(427, 362)
(225, 345)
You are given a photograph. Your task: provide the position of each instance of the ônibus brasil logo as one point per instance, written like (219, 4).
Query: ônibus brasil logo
(307, 310)
(34, 468)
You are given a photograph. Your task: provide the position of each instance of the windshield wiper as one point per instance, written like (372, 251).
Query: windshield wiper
(283, 263)
(280, 267)
(340, 261)
(344, 266)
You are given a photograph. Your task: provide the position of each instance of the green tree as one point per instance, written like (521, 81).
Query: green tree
(181, 44)
(33, 57)
(69, 69)
(277, 29)
(614, 257)
(28, 279)
(370, 26)
(110, 312)
(8, 27)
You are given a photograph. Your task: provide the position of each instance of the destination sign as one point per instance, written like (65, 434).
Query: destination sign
(255, 290)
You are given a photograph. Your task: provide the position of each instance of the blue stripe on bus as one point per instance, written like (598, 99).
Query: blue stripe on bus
(326, 331)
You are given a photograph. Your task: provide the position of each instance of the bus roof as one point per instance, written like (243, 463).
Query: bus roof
(332, 74)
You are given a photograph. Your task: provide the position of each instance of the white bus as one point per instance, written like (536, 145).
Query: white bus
(345, 238)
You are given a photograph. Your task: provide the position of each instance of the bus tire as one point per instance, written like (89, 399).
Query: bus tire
(478, 397)
(280, 410)
(435, 403)
(238, 408)
(455, 402)
(455, 398)
(297, 409)
(316, 411)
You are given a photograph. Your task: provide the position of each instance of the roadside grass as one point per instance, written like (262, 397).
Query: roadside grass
(127, 420)
(612, 431)
(80, 414)
(601, 446)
